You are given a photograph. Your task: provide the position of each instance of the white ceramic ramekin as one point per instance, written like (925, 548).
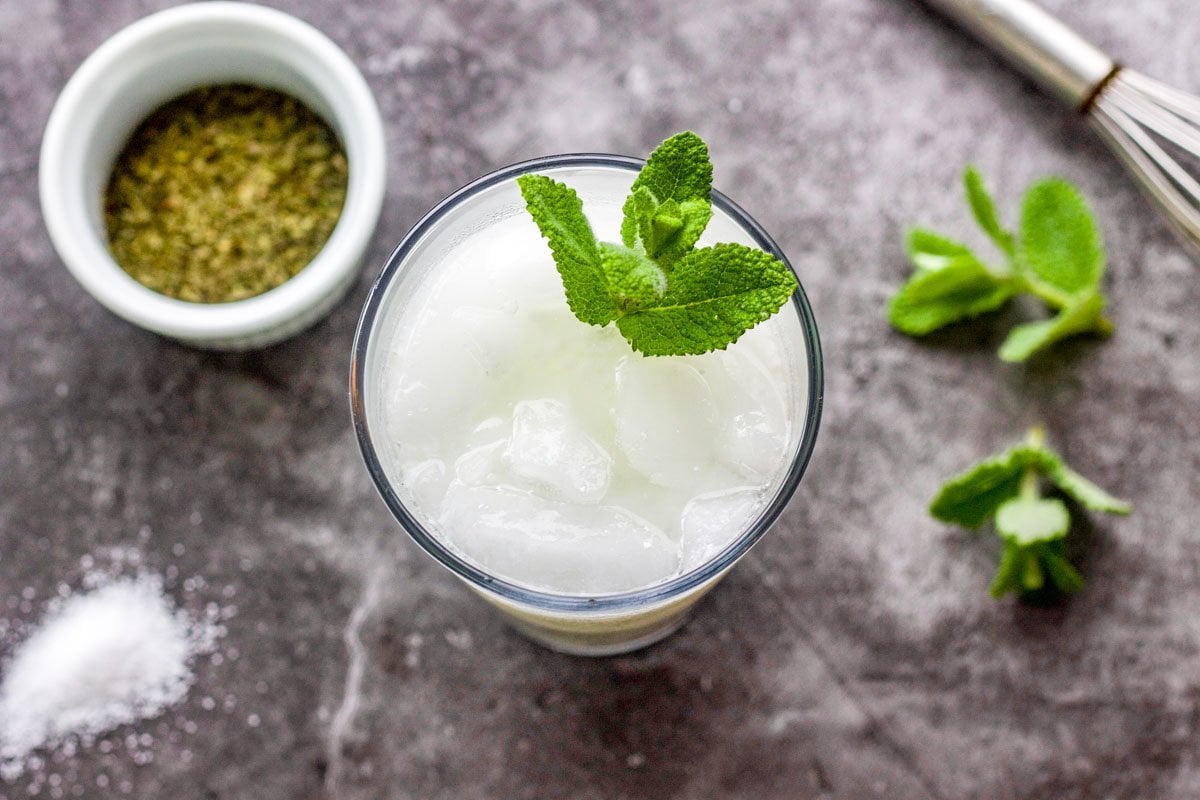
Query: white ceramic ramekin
(158, 58)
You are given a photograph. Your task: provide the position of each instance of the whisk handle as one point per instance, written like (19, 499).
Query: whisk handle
(1045, 49)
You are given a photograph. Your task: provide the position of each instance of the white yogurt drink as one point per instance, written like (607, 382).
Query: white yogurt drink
(544, 454)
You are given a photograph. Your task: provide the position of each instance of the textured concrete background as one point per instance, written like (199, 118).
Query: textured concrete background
(853, 654)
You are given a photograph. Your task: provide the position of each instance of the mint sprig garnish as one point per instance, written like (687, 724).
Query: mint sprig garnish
(1007, 487)
(666, 296)
(1057, 256)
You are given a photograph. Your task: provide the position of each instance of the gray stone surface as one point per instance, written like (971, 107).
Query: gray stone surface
(853, 654)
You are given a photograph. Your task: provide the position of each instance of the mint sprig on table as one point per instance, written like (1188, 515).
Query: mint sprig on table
(1008, 489)
(1057, 256)
(666, 296)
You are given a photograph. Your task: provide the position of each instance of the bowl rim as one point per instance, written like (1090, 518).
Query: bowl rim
(87, 257)
(627, 601)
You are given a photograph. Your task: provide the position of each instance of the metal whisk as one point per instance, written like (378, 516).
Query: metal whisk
(1139, 117)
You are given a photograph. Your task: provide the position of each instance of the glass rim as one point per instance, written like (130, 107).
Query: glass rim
(554, 601)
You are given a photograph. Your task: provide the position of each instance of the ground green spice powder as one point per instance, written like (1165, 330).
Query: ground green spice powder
(224, 193)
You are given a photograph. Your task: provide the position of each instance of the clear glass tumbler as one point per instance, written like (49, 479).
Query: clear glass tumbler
(580, 624)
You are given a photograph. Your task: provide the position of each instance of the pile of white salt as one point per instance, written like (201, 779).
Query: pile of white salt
(115, 655)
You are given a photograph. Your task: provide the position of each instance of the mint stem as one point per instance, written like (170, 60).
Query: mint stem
(1030, 490)
(1051, 296)
(1036, 437)
(1058, 299)
(1029, 484)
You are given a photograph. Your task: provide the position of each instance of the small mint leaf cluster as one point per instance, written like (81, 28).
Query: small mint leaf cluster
(1057, 256)
(666, 296)
(1007, 488)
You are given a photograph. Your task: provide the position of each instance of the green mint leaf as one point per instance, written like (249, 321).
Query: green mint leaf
(984, 209)
(714, 295)
(929, 251)
(1008, 573)
(696, 214)
(694, 217)
(1061, 572)
(678, 169)
(1060, 242)
(633, 278)
(664, 225)
(1032, 577)
(971, 497)
(638, 210)
(558, 212)
(1029, 520)
(1084, 315)
(669, 206)
(960, 288)
(1077, 487)
(1027, 568)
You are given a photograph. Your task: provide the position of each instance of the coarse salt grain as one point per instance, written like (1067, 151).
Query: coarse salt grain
(115, 655)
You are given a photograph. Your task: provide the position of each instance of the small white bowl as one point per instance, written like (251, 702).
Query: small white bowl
(158, 58)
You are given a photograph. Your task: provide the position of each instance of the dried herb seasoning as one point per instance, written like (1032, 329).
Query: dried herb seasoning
(224, 193)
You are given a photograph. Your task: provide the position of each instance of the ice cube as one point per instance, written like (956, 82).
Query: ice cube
(665, 419)
(551, 450)
(496, 335)
(495, 265)
(545, 544)
(425, 483)
(482, 465)
(432, 379)
(711, 521)
(490, 430)
(516, 270)
(453, 357)
(754, 420)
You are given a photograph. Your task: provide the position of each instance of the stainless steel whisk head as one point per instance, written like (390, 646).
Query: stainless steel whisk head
(1142, 119)
(1133, 112)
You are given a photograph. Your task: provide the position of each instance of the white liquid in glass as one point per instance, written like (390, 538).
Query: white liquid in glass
(548, 452)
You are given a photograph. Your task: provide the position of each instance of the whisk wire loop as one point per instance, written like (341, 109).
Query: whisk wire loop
(1130, 111)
